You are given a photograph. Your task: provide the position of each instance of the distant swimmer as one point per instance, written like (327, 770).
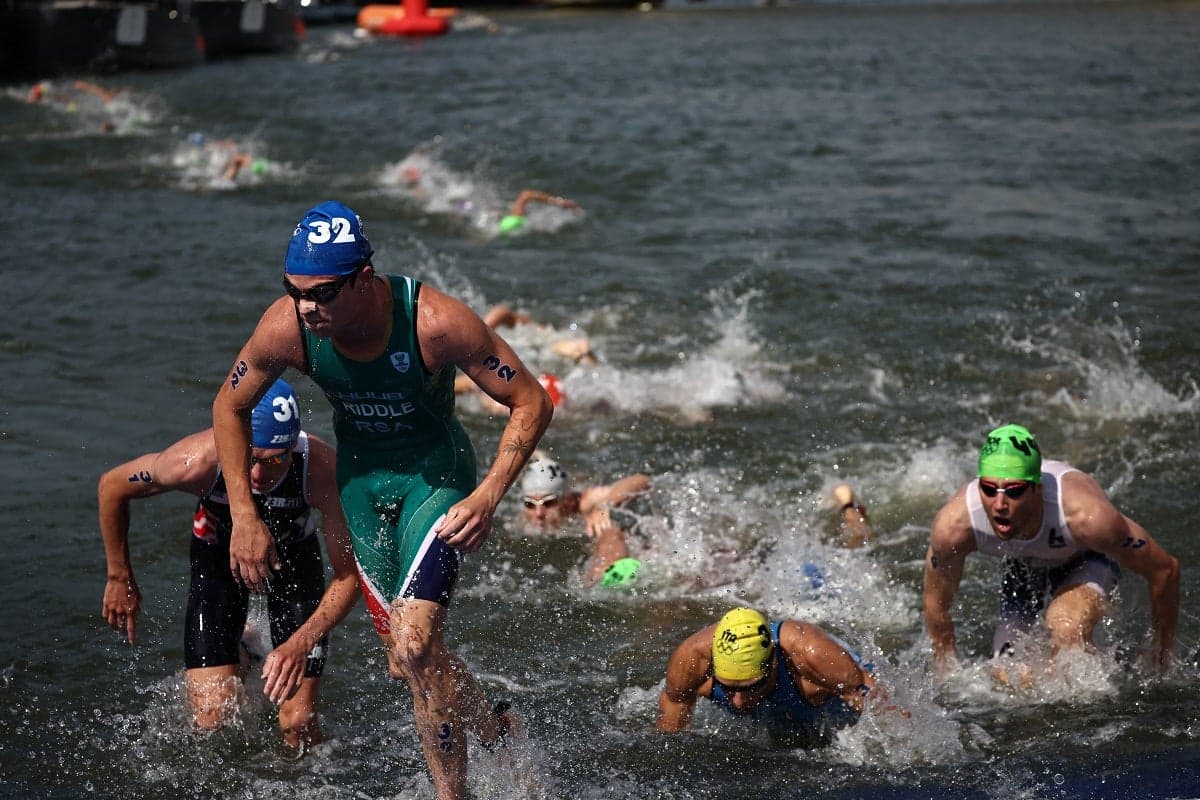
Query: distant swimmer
(854, 529)
(548, 502)
(384, 349)
(209, 163)
(1062, 543)
(68, 94)
(797, 680)
(515, 219)
(112, 110)
(572, 348)
(292, 472)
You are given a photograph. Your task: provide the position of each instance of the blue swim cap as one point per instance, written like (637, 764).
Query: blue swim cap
(329, 240)
(275, 422)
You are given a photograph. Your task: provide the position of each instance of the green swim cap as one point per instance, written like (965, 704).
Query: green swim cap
(511, 223)
(1011, 452)
(622, 572)
(259, 166)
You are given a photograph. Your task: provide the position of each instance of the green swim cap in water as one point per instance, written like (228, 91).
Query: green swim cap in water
(259, 166)
(622, 572)
(512, 223)
(1011, 452)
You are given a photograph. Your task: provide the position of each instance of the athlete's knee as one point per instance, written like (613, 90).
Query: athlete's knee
(412, 653)
(299, 726)
(1072, 616)
(211, 719)
(213, 699)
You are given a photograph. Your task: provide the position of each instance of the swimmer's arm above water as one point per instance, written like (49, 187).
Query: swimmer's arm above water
(687, 671)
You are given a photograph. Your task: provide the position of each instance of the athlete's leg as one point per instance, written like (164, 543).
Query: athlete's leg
(298, 716)
(435, 679)
(1079, 593)
(1072, 616)
(213, 695)
(215, 618)
(295, 595)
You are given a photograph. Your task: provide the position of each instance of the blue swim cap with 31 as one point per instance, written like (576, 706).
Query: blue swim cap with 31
(275, 421)
(328, 240)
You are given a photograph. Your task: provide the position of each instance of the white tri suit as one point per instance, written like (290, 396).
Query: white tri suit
(1039, 567)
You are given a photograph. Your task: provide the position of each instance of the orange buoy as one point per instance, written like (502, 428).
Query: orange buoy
(411, 18)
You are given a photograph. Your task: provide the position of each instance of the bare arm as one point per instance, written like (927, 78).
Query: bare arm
(189, 465)
(534, 196)
(95, 89)
(449, 332)
(822, 666)
(500, 316)
(1098, 525)
(274, 346)
(283, 668)
(614, 494)
(950, 542)
(687, 670)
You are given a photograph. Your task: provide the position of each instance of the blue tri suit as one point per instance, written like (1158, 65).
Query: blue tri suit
(787, 715)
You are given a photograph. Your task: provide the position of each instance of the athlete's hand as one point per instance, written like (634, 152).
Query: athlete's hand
(252, 555)
(283, 669)
(467, 524)
(122, 602)
(598, 520)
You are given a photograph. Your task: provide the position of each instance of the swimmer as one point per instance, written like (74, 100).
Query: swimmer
(91, 101)
(574, 348)
(292, 473)
(791, 676)
(218, 163)
(1062, 543)
(514, 221)
(548, 503)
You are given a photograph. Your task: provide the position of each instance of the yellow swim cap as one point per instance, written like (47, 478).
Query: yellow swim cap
(741, 647)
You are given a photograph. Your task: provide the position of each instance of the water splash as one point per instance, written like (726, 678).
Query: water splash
(728, 371)
(424, 179)
(206, 164)
(1095, 372)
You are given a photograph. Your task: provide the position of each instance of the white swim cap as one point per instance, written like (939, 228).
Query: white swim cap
(544, 477)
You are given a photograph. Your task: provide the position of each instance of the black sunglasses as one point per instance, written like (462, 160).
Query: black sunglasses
(322, 293)
(753, 687)
(1011, 492)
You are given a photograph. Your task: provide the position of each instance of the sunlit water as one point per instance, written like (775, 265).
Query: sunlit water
(818, 244)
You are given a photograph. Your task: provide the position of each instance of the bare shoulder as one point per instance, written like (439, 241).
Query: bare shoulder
(689, 662)
(1090, 514)
(952, 523)
(277, 339)
(797, 635)
(447, 329)
(438, 311)
(189, 464)
(1079, 490)
(321, 452)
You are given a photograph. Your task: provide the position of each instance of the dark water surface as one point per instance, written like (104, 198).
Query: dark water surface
(820, 244)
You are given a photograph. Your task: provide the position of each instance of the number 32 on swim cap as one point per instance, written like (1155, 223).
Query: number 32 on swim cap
(328, 240)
